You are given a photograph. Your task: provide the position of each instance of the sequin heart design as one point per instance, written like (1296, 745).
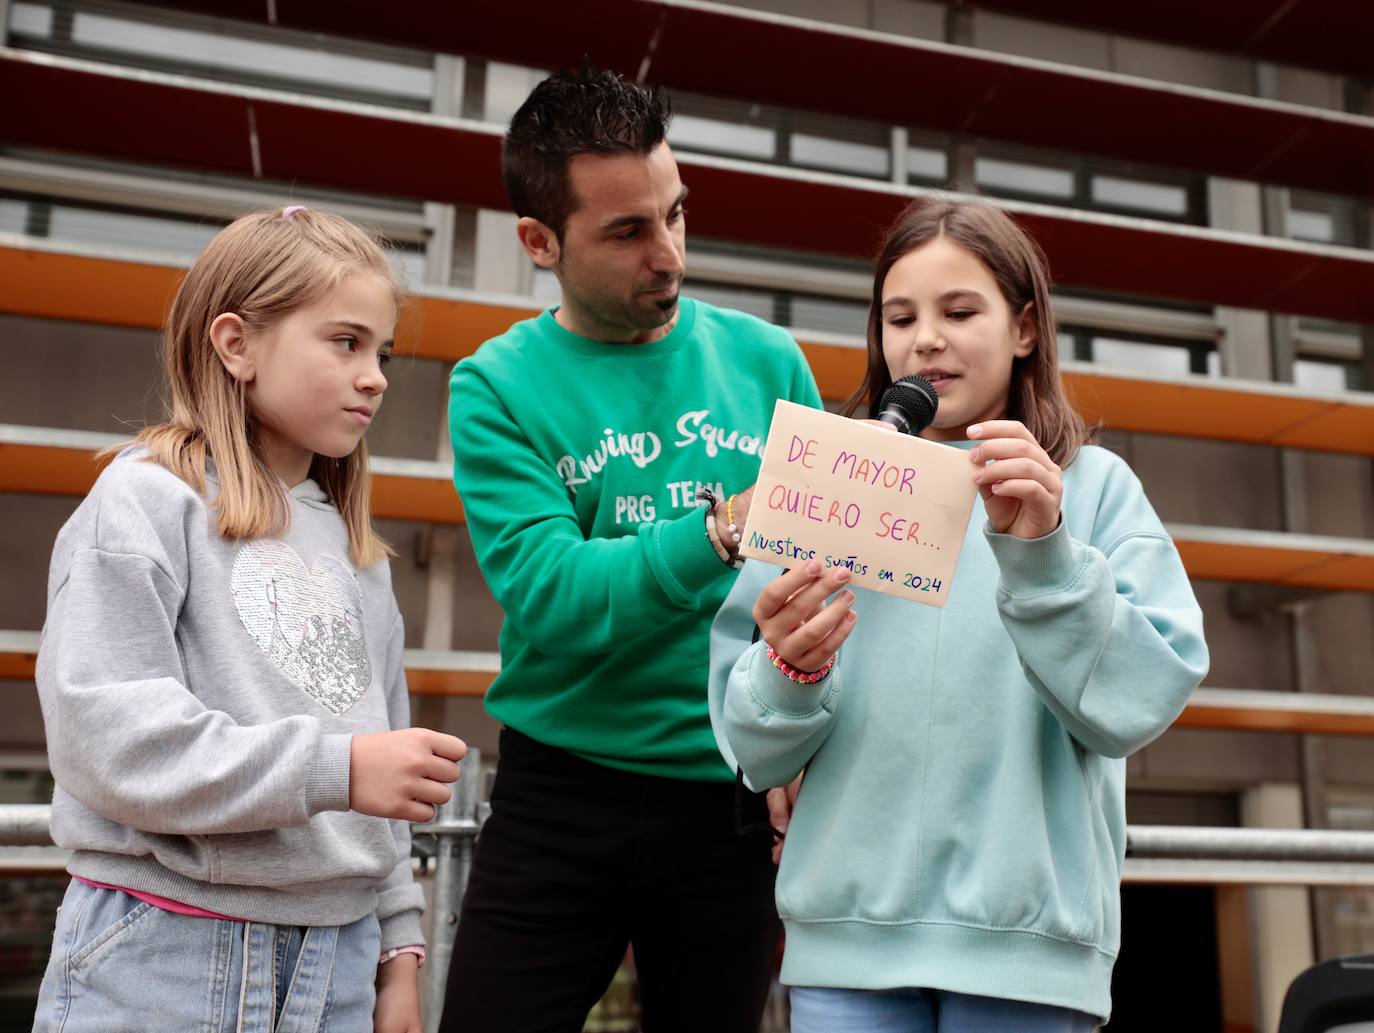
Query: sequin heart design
(308, 622)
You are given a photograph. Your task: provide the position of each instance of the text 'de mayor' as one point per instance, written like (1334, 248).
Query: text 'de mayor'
(891, 508)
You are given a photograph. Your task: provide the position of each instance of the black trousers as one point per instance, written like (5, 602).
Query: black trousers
(576, 861)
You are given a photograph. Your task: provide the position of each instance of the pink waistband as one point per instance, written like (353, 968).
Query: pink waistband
(164, 903)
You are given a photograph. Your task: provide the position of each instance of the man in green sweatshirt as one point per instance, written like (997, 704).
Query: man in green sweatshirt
(582, 439)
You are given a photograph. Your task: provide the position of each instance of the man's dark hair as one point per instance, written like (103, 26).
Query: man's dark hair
(583, 111)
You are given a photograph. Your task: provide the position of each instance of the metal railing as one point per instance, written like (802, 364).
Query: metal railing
(445, 844)
(1154, 854)
(1249, 856)
(450, 838)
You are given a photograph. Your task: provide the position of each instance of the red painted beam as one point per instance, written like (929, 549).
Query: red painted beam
(1332, 35)
(95, 109)
(817, 66)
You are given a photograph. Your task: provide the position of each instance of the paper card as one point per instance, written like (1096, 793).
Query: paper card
(890, 507)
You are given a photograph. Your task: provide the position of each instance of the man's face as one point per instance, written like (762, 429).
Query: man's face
(623, 252)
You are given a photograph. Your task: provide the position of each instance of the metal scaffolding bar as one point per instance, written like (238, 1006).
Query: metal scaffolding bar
(448, 840)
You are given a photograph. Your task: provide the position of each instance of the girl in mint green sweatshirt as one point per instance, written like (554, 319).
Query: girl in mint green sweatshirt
(954, 856)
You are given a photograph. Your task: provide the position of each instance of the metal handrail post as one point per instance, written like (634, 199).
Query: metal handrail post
(454, 829)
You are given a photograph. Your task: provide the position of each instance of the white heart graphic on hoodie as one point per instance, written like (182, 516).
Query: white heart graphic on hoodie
(308, 622)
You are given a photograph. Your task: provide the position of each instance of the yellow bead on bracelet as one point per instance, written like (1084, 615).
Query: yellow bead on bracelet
(730, 518)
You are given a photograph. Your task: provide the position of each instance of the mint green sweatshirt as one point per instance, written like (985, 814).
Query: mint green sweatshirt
(578, 464)
(961, 823)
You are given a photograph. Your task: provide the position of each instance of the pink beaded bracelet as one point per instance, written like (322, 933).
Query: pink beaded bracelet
(800, 677)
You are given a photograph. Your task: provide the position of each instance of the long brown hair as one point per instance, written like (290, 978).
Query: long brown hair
(1018, 265)
(263, 266)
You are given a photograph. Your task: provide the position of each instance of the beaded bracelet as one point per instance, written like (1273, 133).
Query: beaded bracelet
(730, 519)
(801, 677)
(707, 496)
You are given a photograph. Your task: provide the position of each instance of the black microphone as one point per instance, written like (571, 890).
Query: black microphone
(909, 404)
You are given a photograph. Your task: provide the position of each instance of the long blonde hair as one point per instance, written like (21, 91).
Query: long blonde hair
(263, 266)
(1037, 396)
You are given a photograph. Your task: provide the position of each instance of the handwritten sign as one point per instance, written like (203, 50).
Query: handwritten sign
(891, 508)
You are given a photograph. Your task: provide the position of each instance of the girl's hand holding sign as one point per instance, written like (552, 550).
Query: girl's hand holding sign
(796, 621)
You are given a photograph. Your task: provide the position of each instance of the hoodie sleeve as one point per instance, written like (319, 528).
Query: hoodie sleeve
(1108, 631)
(125, 736)
(767, 726)
(567, 594)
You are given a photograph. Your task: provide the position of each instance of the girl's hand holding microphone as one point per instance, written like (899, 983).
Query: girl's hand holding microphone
(794, 618)
(402, 774)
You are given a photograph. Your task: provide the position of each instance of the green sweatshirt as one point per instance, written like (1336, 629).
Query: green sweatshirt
(578, 464)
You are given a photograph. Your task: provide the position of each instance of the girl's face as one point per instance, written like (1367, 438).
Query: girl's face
(945, 318)
(316, 378)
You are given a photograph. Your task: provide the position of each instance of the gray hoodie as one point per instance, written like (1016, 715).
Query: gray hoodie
(200, 697)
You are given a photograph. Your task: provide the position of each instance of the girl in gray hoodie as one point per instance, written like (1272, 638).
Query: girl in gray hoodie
(221, 672)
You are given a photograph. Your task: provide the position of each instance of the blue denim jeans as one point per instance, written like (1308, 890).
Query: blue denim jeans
(119, 965)
(831, 1010)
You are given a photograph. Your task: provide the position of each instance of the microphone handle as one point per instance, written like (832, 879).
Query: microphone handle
(896, 418)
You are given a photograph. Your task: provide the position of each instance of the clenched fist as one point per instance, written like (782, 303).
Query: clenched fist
(403, 774)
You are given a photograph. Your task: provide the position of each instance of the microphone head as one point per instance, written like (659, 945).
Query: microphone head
(915, 399)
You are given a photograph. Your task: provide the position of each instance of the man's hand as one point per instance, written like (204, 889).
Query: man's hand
(780, 804)
(736, 505)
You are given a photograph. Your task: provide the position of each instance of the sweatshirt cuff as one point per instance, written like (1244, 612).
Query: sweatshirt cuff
(682, 557)
(401, 930)
(1036, 566)
(776, 692)
(326, 783)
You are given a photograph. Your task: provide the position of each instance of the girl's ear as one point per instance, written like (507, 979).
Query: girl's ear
(229, 338)
(540, 242)
(1026, 332)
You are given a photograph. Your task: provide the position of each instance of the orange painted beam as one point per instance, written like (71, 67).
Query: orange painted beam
(415, 498)
(1298, 561)
(472, 684)
(47, 469)
(94, 289)
(1196, 408)
(469, 674)
(429, 674)
(71, 470)
(838, 369)
(85, 288)
(1252, 719)
(124, 292)
(1295, 561)
(18, 665)
(421, 682)
(451, 329)
(1201, 408)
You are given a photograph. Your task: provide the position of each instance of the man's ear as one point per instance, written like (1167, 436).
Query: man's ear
(540, 242)
(1026, 331)
(229, 338)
